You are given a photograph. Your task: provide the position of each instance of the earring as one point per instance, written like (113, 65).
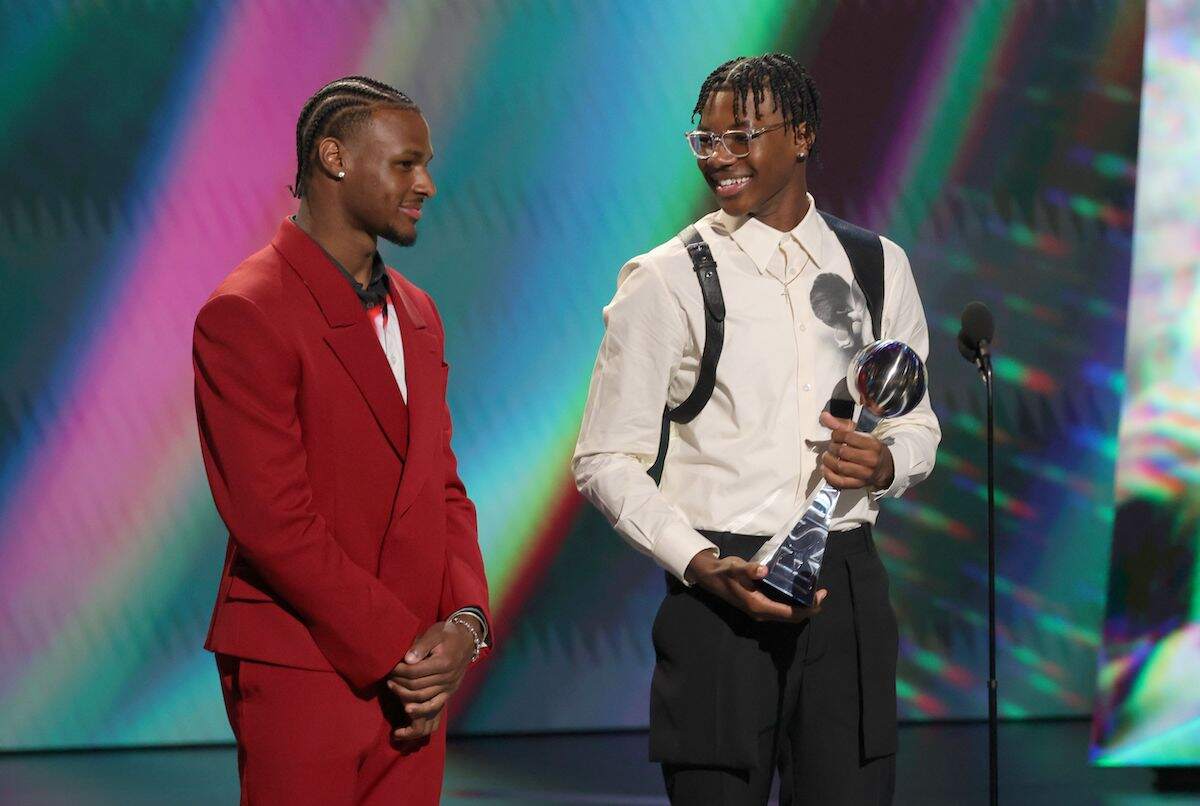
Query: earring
(341, 174)
(802, 156)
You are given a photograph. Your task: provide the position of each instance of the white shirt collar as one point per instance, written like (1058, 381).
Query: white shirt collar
(759, 241)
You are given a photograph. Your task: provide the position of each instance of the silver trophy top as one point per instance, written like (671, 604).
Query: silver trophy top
(887, 378)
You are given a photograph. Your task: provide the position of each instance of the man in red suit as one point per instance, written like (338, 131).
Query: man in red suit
(353, 596)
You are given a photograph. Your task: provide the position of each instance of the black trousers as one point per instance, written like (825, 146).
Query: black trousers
(733, 700)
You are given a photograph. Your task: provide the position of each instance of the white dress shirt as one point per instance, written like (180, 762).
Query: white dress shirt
(746, 464)
(387, 328)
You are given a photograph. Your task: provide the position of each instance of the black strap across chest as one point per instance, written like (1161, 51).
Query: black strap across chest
(714, 326)
(863, 248)
(714, 339)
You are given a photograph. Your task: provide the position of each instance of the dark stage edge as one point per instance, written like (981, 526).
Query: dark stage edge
(1041, 763)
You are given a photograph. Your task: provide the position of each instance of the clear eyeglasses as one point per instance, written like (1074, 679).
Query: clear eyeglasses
(736, 141)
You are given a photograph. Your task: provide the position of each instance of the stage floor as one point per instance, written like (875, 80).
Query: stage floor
(1042, 764)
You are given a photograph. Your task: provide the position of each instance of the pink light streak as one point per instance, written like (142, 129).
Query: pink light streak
(94, 506)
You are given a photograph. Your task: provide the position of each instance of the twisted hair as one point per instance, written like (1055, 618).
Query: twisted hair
(750, 77)
(335, 110)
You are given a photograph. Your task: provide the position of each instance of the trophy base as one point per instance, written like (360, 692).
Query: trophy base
(787, 594)
(795, 566)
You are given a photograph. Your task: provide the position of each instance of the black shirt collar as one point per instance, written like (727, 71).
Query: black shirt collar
(376, 291)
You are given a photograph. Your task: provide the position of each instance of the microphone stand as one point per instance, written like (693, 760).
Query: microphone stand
(983, 361)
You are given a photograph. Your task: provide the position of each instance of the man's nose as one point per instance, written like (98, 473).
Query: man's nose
(425, 184)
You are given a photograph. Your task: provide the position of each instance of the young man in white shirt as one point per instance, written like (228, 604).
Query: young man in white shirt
(744, 683)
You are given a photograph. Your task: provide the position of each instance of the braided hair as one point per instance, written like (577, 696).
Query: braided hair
(335, 110)
(791, 87)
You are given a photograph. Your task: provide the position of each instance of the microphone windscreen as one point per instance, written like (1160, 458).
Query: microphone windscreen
(841, 404)
(977, 324)
(964, 347)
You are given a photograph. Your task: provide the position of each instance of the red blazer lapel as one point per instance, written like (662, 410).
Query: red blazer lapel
(357, 348)
(351, 335)
(422, 368)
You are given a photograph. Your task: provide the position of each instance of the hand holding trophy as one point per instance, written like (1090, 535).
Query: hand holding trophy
(887, 379)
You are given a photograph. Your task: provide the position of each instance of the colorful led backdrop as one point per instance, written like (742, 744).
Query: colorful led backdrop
(1148, 711)
(994, 141)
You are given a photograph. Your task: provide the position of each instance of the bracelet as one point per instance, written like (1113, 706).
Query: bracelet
(475, 636)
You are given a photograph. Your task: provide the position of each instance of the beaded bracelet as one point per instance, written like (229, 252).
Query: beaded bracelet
(475, 636)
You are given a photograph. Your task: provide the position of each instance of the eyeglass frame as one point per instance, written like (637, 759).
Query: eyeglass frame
(752, 135)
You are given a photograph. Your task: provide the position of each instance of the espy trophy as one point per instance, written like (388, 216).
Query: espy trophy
(887, 379)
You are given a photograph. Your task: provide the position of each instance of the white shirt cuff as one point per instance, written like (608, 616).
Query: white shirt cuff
(675, 549)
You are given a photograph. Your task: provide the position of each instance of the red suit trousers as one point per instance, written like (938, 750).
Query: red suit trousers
(306, 737)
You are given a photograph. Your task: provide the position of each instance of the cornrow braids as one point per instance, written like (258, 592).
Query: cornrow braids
(336, 109)
(751, 77)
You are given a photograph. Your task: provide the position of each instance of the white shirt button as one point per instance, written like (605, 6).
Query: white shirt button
(803, 326)
(808, 387)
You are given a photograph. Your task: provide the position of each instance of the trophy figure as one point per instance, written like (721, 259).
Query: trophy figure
(887, 379)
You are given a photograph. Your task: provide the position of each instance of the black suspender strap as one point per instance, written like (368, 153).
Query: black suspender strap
(714, 326)
(865, 251)
(714, 339)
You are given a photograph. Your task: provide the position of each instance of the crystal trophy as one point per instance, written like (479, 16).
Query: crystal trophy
(888, 379)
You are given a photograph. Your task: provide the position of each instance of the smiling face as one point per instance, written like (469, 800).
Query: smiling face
(387, 174)
(769, 182)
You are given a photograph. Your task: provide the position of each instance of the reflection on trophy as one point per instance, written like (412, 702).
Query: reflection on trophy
(887, 379)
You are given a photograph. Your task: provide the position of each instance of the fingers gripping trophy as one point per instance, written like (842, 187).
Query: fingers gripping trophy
(887, 379)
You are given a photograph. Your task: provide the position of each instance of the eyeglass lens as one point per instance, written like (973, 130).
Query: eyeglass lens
(705, 143)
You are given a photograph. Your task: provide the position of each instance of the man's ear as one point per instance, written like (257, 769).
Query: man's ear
(330, 157)
(803, 140)
(800, 134)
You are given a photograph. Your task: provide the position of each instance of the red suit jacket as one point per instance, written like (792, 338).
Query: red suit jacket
(350, 531)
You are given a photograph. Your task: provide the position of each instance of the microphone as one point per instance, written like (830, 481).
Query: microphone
(841, 404)
(978, 328)
(974, 342)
